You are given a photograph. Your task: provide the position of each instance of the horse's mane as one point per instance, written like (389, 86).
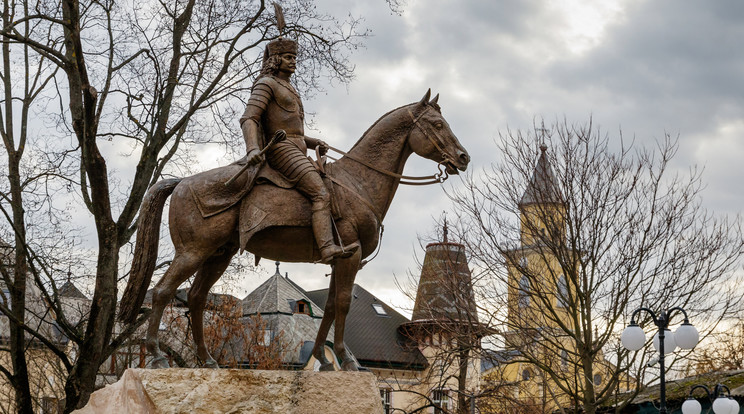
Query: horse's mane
(377, 122)
(434, 105)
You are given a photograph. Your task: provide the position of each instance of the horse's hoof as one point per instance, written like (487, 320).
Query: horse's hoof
(211, 364)
(349, 366)
(328, 366)
(160, 362)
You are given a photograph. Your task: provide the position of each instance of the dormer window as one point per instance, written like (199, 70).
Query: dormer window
(303, 307)
(379, 310)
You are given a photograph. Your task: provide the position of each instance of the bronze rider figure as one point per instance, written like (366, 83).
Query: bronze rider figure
(275, 105)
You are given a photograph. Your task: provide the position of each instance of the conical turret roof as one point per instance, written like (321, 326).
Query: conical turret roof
(445, 290)
(69, 290)
(543, 187)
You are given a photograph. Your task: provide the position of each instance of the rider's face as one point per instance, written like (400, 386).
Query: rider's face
(287, 63)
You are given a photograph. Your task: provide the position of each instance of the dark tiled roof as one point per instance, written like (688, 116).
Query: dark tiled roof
(445, 291)
(372, 338)
(278, 295)
(679, 389)
(69, 290)
(543, 187)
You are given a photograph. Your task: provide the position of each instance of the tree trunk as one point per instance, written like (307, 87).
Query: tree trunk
(590, 404)
(463, 406)
(18, 300)
(83, 97)
(16, 286)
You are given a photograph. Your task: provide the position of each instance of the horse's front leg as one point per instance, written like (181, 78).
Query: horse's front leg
(205, 278)
(182, 266)
(325, 326)
(346, 271)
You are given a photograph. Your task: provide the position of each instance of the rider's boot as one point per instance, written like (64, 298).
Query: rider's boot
(322, 228)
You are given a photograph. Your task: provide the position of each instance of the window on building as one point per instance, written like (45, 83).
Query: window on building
(562, 292)
(301, 306)
(50, 405)
(597, 379)
(441, 401)
(564, 359)
(379, 310)
(524, 292)
(386, 395)
(264, 338)
(526, 374)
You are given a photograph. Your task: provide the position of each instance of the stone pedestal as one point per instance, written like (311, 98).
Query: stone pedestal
(211, 391)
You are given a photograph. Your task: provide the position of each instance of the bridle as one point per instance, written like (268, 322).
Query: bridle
(437, 178)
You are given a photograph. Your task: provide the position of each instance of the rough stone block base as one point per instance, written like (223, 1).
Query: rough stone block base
(210, 391)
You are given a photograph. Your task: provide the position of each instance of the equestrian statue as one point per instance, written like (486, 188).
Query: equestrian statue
(279, 204)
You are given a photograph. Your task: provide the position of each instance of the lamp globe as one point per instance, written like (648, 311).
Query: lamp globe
(686, 336)
(669, 344)
(691, 406)
(722, 405)
(633, 337)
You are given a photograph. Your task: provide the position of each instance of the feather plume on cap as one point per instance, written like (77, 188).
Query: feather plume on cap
(280, 24)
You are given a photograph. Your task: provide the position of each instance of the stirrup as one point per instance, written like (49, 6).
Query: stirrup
(338, 252)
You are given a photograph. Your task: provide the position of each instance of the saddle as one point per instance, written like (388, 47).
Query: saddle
(266, 198)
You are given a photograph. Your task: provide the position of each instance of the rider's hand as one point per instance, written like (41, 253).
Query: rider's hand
(255, 157)
(322, 147)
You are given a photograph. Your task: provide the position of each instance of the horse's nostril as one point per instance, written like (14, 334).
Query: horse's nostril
(465, 158)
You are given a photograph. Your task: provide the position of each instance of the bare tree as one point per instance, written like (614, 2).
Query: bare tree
(723, 352)
(140, 79)
(234, 340)
(578, 235)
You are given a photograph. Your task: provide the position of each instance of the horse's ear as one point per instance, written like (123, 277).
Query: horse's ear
(434, 101)
(425, 99)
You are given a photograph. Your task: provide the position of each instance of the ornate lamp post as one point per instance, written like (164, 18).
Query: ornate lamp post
(686, 337)
(721, 404)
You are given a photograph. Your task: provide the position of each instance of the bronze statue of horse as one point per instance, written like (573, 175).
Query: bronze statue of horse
(364, 182)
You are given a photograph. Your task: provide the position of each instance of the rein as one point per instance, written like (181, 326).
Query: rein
(437, 178)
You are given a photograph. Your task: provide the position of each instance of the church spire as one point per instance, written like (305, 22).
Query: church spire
(543, 187)
(444, 231)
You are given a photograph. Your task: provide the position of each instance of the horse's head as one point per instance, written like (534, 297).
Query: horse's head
(432, 138)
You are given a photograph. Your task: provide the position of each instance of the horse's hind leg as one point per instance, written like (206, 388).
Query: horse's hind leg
(182, 267)
(205, 278)
(325, 325)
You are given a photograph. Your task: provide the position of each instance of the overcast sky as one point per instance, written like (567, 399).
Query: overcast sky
(646, 67)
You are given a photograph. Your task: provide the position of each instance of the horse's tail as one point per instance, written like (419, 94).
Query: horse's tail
(145, 248)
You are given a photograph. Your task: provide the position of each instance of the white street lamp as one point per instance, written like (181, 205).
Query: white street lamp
(633, 339)
(721, 405)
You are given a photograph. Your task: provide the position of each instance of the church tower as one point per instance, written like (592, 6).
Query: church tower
(538, 289)
(540, 358)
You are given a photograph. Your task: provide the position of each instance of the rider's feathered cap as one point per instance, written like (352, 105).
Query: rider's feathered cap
(280, 46)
